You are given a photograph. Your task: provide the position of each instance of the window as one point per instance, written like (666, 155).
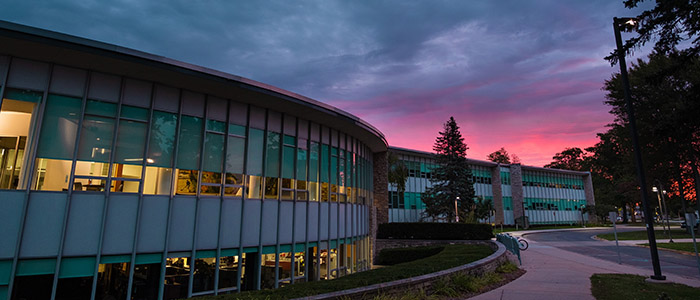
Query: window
(56, 143)
(161, 146)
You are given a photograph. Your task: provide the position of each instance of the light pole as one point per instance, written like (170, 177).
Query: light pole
(456, 211)
(660, 192)
(661, 210)
(629, 24)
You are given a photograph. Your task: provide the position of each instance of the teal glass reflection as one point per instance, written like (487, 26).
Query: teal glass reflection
(272, 163)
(101, 108)
(288, 159)
(301, 164)
(325, 157)
(96, 139)
(313, 161)
(234, 155)
(255, 152)
(131, 141)
(213, 152)
(236, 130)
(136, 113)
(162, 141)
(213, 125)
(189, 143)
(59, 127)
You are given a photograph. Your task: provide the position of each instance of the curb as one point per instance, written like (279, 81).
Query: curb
(362, 292)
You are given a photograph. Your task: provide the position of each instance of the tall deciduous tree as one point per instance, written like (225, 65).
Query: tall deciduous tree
(569, 159)
(499, 156)
(452, 178)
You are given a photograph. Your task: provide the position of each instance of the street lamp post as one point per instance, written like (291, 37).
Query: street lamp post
(456, 211)
(627, 24)
(661, 194)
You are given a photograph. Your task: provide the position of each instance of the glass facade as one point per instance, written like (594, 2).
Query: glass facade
(132, 189)
(550, 196)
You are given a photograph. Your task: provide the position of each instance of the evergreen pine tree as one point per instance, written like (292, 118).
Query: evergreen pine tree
(452, 178)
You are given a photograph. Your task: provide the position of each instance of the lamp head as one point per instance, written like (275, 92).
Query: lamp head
(654, 189)
(627, 24)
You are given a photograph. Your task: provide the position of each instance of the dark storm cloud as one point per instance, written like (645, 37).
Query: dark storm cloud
(504, 65)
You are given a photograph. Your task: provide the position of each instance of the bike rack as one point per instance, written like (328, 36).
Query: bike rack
(511, 244)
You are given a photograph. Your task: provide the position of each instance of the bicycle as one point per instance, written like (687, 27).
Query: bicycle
(522, 243)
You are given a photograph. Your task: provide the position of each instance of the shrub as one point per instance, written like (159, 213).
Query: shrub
(435, 231)
(506, 267)
(394, 256)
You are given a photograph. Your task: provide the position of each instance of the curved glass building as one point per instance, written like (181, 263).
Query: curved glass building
(126, 175)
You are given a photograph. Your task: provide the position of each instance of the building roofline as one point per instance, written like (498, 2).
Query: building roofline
(485, 162)
(14, 30)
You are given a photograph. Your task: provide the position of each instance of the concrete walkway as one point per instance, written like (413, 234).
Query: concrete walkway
(553, 273)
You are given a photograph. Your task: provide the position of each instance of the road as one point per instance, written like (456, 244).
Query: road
(582, 243)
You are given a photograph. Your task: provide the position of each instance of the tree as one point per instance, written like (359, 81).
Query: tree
(397, 173)
(499, 156)
(452, 179)
(569, 159)
(670, 23)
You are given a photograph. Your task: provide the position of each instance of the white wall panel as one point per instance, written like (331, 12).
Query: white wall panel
(286, 222)
(231, 223)
(120, 224)
(208, 223)
(154, 220)
(10, 220)
(84, 222)
(251, 223)
(182, 223)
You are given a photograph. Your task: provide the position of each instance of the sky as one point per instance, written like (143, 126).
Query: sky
(524, 75)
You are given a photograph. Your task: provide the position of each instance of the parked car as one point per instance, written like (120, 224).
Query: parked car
(684, 225)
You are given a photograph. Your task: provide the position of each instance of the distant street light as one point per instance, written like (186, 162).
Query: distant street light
(629, 24)
(456, 211)
(661, 194)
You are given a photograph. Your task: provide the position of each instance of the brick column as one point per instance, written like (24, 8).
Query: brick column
(497, 194)
(379, 211)
(516, 190)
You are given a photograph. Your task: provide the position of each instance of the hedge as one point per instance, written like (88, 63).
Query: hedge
(390, 257)
(435, 231)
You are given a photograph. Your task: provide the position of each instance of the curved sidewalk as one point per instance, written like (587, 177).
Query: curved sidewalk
(553, 273)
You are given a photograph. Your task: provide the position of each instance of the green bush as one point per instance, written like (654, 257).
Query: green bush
(390, 257)
(435, 231)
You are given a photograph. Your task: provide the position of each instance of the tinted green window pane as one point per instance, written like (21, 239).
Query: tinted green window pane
(101, 108)
(130, 142)
(334, 169)
(96, 139)
(273, 155)
(213, 152)
(234, 155)
(313, 161)
(162, 143)
(348, 163)
(288, 162)
(23, 95)
(190, 143)
(216, 126)
(255, 152)
(325, 160)
(59, 128)
(290, 140)
(136, 113)
(77, 267)
(236, 129)
(301, 164)
(334, 151)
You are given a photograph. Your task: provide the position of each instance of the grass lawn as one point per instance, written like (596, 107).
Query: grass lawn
(626, 286)
(687, 247)
(451, 256)
(642, 235)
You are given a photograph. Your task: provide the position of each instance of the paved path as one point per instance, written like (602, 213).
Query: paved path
(553, 273)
